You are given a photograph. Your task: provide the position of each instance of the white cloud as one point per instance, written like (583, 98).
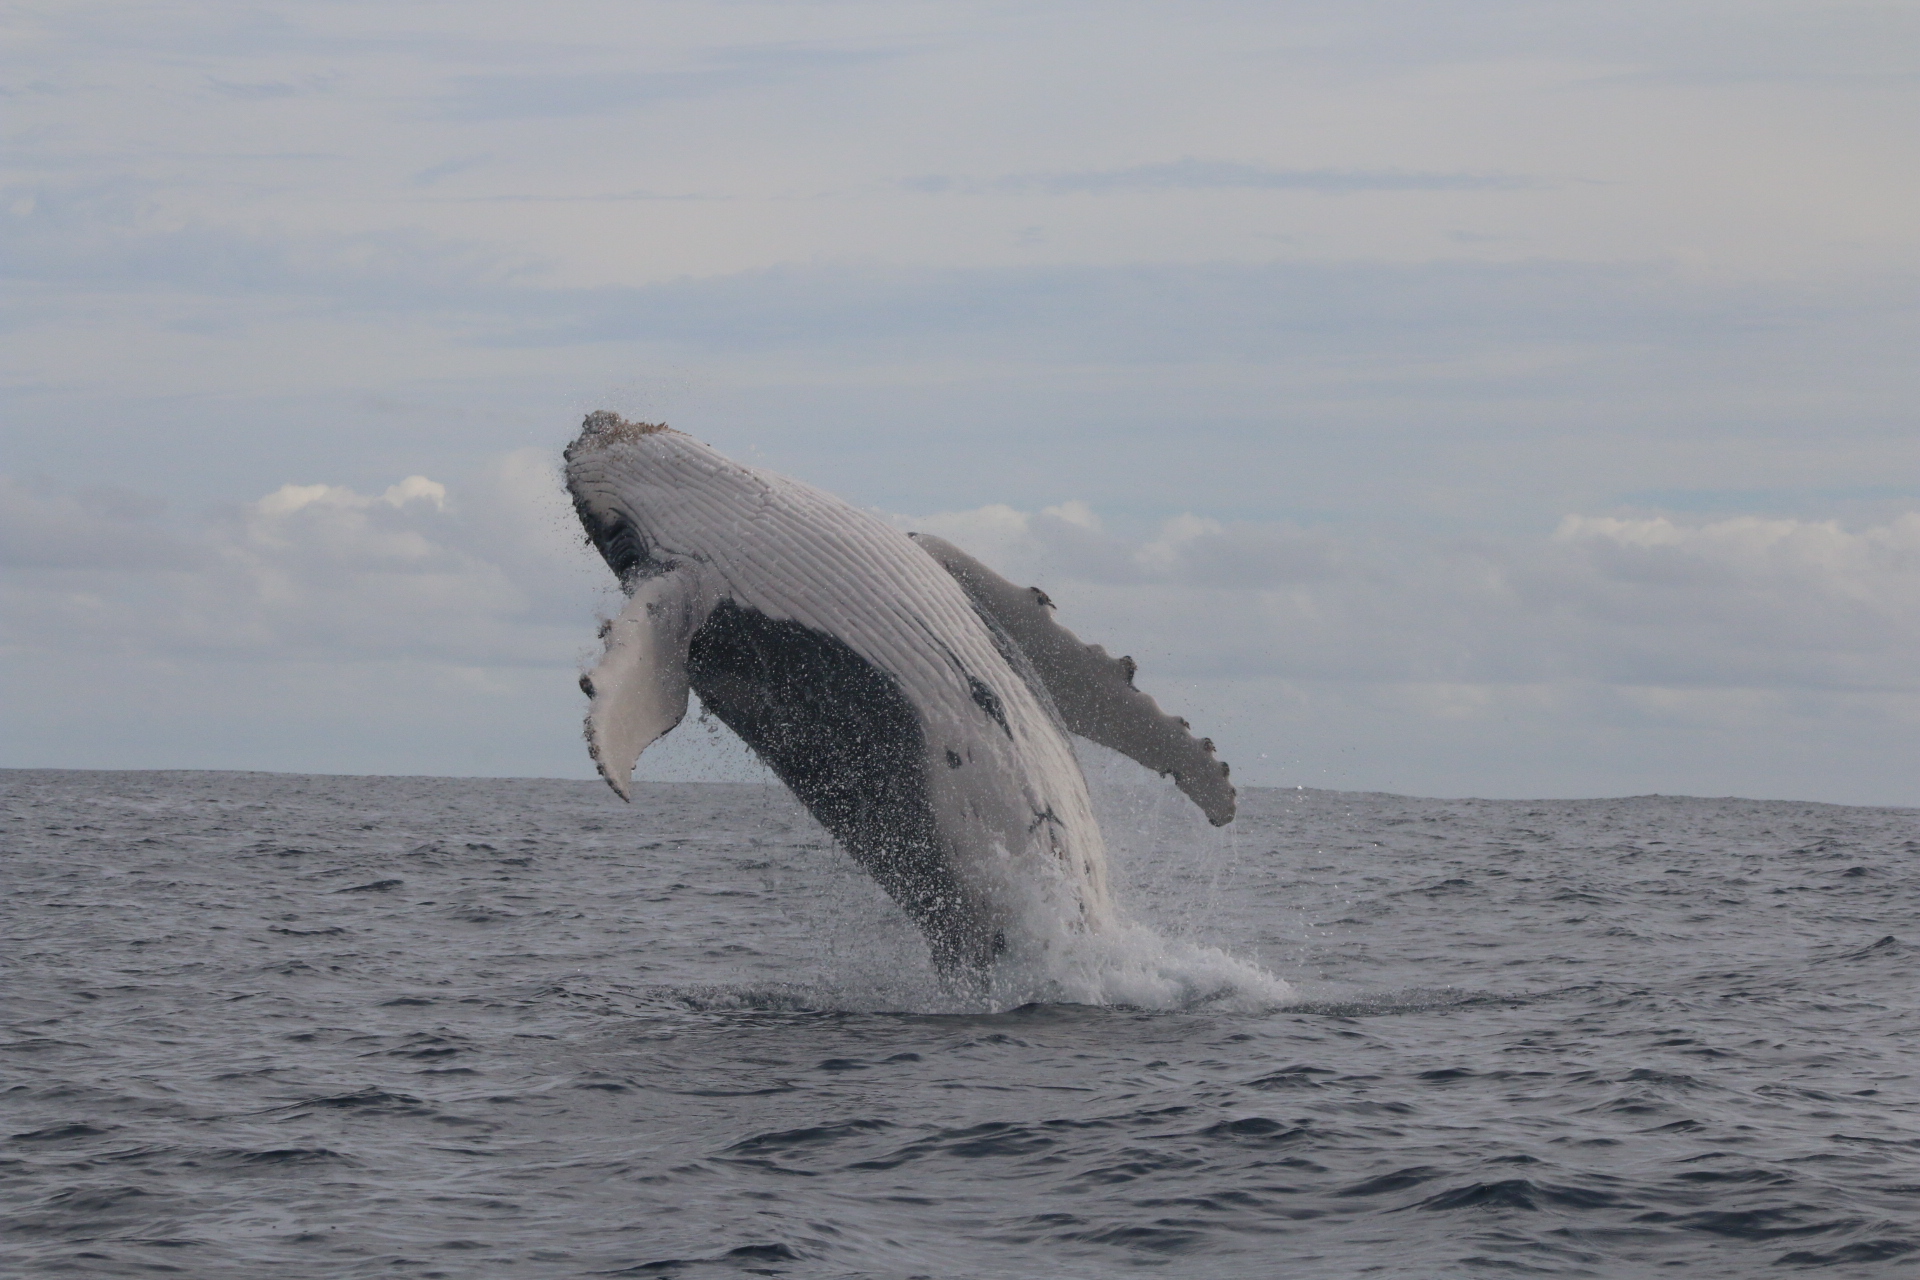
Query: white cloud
(1609, 655)
(1289, 645)
(1877, 567)
(1166, 552)
(1771, 604)
(310, 572)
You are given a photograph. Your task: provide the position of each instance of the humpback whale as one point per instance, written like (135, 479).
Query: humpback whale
(917, 703)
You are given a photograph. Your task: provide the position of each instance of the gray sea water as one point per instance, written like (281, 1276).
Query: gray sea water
(287, 1026)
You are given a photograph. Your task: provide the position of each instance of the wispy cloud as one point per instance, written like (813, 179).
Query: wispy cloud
(1157, 313)
(556, 94)
(635, 196)
(447, 168)
(1189, 174)
(107, 236)
(252, 92)
(81, 238)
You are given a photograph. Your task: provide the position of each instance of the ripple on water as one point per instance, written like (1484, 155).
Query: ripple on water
(396, 1026)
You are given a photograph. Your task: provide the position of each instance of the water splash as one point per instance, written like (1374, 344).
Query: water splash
(1133, 964)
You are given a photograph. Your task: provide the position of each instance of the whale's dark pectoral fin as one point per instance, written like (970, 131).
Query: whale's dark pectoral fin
(639, 689)
(1093, 690)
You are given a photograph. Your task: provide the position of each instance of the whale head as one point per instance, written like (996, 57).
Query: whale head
(609, 465)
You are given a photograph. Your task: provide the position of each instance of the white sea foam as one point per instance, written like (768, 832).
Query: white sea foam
(1054, 958)
(871, 959)
(1129, 966)
(1132, 964)
(849, 948)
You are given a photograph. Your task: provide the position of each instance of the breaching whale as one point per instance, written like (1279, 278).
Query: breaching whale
(917, 703)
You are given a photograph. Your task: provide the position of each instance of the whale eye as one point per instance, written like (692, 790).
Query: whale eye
(621, 545)
(953, 759)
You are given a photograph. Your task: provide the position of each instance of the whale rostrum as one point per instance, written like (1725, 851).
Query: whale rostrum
(917, 703)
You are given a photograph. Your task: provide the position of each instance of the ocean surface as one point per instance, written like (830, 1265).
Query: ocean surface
(289, 1026)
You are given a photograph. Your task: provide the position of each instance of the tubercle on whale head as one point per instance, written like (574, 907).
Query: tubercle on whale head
(604, 427)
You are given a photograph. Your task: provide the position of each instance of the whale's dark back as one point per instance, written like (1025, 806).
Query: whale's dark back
(841, 734)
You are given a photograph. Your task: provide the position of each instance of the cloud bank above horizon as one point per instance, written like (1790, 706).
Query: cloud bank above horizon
(426, 606)
(1505, 399)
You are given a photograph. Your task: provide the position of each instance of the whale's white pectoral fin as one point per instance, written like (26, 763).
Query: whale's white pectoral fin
(639, 688)
(1093, 690)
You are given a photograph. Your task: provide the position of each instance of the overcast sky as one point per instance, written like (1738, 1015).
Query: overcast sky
(1497, 398)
